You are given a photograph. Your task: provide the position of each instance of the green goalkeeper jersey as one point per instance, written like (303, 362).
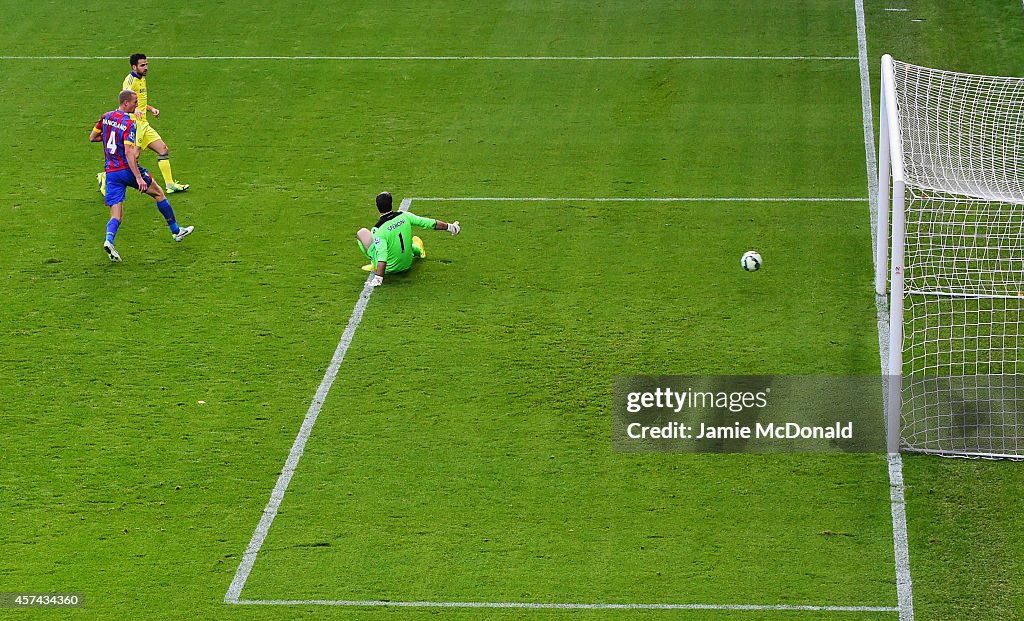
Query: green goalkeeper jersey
(392, 239)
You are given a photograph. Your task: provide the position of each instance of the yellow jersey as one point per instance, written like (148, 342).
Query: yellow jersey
(138, 84)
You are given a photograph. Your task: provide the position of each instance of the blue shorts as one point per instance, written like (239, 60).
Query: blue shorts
(118, 182)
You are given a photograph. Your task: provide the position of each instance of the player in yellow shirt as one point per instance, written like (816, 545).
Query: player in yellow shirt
(146, 136)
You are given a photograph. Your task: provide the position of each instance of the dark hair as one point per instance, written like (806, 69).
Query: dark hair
(135, 58)
(384, 202)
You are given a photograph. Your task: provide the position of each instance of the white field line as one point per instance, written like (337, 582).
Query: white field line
(242, 574)
(529, 605)
(897, 502)
(299, 446)
(482, 58)
(680, 199)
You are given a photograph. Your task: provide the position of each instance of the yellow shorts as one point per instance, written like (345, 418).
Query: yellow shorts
(145, 135)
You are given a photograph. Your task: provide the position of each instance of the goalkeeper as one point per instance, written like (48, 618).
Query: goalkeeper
(390, 245)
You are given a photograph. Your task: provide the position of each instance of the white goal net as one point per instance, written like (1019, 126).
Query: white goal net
(952, 161)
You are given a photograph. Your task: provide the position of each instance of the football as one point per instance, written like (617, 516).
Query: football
(751, 261)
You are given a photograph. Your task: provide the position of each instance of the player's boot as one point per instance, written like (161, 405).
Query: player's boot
(111, 251)
(183, 232)
(418, 248)
(177, 187)
(369, 267)
(101, 179)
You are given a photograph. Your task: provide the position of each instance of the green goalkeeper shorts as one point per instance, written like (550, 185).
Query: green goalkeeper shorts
(369, 253)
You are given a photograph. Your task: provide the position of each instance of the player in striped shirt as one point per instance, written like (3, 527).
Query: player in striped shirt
(146, 136)
(117, 132)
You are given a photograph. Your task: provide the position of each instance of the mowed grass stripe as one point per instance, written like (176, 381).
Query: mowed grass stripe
(458, 27)
(643, 129)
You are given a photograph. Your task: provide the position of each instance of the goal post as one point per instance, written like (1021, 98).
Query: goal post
(950, 245)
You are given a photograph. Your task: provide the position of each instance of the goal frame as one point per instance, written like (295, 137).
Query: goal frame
(890, 262)
(891, 172)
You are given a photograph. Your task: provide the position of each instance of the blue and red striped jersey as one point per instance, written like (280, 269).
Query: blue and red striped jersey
(118, 129)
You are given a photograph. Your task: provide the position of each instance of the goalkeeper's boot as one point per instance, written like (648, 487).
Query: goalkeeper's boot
(177, 187)
(183, 232)
(111, 251)
(369, 267)
(418, 248)
(101, 179)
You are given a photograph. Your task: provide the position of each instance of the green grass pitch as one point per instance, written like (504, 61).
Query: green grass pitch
(463, 453)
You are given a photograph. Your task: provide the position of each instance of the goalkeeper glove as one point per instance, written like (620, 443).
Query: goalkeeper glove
(453, 228)
(376, 281)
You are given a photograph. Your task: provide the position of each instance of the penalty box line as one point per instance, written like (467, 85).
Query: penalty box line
(299, 446)
(454, 58)
(567, 606)
(658, 199)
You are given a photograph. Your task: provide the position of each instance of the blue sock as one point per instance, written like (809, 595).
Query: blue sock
(112, 229)
(165, 209)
